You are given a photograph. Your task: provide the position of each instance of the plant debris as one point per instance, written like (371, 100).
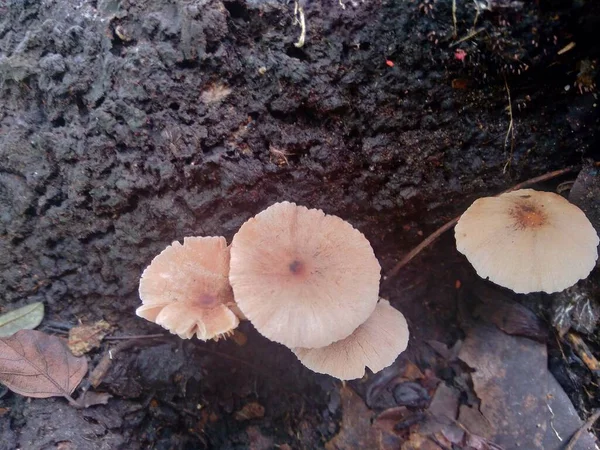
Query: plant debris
(252, 410)
(91, 398)
(575, 308)
(84, 338)
(356, 430)
(25, 318)
(35, 364)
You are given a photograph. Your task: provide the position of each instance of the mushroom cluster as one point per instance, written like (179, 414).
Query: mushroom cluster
(528, 241)
(305, 279)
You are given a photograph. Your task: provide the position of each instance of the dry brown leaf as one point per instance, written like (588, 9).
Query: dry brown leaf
(250, 411)
(84, 338)
(35, 364)
(356, 431)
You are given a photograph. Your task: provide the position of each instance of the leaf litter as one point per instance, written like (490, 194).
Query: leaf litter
(35, 364)
(25, 318)
(84, 338)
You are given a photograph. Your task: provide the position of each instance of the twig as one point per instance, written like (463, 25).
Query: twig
(299, 12)
(552, 422)
(471, 35)
(587, 425)
(135, 336)
(437, 233)
(511, 129)
(454, 18)
(423, 245)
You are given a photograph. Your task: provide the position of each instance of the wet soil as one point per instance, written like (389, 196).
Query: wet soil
(125, 125)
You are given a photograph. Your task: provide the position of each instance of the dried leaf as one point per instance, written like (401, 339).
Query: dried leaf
(585, 316)
(395, 420)
(575, 308)
(39, 365)
(508, 315)
(561, 317)
(250, 411)
(91, 398)
(356, 430)
(25, 318)
(84, 338)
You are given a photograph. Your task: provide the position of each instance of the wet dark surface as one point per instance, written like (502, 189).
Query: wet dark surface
(127, 124)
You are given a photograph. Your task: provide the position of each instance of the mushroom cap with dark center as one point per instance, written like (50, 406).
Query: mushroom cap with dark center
(303, 278)
(186, 289)
(375, 344)
(528, 241)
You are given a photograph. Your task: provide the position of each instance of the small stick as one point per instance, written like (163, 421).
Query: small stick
(590, 422)
(135, 336)
(511, 129)
(454, 19)
(437, 233)
(471, 35)
(299, 12)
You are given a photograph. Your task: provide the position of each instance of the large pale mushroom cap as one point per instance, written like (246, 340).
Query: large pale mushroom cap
(528, 241)
(303, 278)
(375, 344)
(186, 289)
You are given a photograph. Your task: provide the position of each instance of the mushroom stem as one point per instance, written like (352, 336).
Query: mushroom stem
(437, 233)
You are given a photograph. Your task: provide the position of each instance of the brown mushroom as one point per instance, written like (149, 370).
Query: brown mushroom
(186, 289)
(303, 278)
(375, 344)
(528, 241)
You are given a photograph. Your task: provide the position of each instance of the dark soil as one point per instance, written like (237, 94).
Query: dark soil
(125, 125)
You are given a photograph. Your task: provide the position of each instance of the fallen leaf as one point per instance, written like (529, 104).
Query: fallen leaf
(35, 364)
(394, 420)
(26, 318)
(91, 398)
(252, 410)
(356, 431)
(65, 445)
(257, 440)
(508, 315)
(575, 308)
(84, 338)
(418, 442)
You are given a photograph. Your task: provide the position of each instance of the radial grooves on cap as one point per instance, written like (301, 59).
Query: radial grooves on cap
(186, 288)
(375, 344)
(336, 290)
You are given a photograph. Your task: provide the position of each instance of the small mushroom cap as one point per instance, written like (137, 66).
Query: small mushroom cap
(186, 289)
(375, 344)
(528, 241)
(303, 278)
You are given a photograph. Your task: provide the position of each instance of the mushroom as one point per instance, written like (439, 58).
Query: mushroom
(528, 241)
(186, 289)
(375, 344)
(303, 278)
